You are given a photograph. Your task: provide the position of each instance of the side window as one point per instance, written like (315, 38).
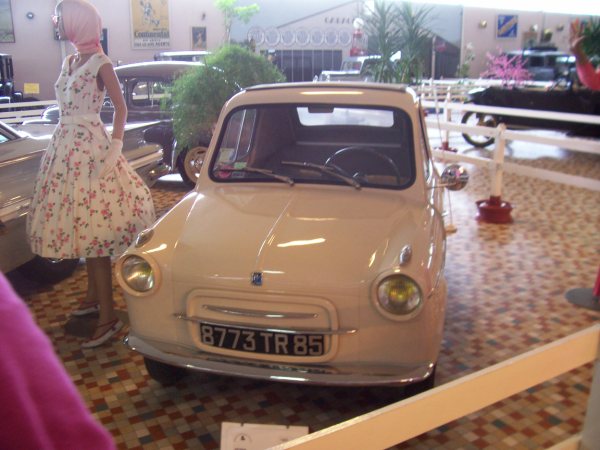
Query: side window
(235, 145)
(3, 137)
(536, 61)
(140, 94)
(150, 94)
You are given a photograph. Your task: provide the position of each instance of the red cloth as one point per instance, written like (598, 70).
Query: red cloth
(40, 408)
(589, 76)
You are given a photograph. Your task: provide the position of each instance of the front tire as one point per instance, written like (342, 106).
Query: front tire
(48, 270)
(165, 374)
(189, 163)
(480, 119)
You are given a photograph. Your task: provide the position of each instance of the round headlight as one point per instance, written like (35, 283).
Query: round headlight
(137, 273)
(399, 294)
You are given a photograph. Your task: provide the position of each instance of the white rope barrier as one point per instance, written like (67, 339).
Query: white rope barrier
(398, 422)
(501, 135)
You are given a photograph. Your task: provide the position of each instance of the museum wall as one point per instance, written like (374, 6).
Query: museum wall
(37, 55)
(480, 29)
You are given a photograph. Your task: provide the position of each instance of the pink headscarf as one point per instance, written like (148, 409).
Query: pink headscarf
(82, 25)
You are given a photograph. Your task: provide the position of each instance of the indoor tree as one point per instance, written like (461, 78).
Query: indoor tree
(384, 39)
(231, 11)
(398, 27)
(415, 38)
(199, 94)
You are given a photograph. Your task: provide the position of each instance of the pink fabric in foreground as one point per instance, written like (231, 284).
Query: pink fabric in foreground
(40, 407)
(82, 25)
(589, 76)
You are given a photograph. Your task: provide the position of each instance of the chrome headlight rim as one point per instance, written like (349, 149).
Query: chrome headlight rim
(125, 285)
(375, 298)
(143, 237)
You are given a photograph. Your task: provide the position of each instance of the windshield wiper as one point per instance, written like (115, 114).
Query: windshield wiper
(329, 170)
(248, 169)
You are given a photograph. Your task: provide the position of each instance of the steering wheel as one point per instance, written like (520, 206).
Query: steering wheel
(347, 153)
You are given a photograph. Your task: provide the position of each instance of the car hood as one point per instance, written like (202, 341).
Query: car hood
(330, 237)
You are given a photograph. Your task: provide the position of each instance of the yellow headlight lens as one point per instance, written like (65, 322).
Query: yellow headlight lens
(138, 274)
(399, 294)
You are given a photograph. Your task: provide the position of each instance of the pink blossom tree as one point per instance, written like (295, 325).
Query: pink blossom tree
(510, 69)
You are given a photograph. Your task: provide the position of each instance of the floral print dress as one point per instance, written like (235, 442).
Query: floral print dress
(75, 213)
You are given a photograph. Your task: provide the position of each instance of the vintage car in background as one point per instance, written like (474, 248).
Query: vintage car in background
(145, 87)
(21, 150)
(353, 68)
(311, 250)
(544, 64)
(566, 100)
(182, 55)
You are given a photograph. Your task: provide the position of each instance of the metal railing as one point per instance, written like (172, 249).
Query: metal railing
(12, 113)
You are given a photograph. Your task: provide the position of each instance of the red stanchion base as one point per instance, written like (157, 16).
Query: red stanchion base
(446, 146)
(494, 210)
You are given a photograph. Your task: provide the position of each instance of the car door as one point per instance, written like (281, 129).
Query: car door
(19, 164)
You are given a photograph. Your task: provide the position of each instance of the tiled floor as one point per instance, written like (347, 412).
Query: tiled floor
(506, 296)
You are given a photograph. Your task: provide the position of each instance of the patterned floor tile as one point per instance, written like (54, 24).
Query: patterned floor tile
(506, 296)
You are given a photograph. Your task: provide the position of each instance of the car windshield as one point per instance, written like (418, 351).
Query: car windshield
(355, 146)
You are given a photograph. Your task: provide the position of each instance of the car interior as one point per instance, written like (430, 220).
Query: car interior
(317, 144)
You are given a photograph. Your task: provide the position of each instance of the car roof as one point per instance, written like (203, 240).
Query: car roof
(183, 53)
(400, 88)
(334, 92)
(155, 68)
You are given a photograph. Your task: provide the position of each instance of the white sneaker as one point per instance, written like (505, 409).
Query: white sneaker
(112, 328)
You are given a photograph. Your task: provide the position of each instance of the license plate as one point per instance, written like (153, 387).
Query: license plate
(267, 342)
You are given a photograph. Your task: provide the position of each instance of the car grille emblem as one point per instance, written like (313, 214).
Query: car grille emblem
(256, 278)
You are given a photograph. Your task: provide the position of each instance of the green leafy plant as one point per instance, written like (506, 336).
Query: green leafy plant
(469, 56)
(398, 28)
(199, 95)
(415, 38)
(382, 29)
(591, 38)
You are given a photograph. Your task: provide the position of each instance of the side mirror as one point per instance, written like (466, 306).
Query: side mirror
(455, 177)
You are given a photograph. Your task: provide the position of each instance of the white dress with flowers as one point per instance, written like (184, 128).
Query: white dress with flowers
(74, 213)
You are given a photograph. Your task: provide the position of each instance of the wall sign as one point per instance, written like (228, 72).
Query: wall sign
(506, 26)
(150, 24)
(7, 32)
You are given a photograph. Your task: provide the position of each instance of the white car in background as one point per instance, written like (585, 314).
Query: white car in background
(311, 250)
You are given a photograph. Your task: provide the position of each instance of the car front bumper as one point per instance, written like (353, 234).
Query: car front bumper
(318, 374)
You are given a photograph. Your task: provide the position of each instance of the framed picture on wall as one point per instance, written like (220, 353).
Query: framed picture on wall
(150, 24)
(506, 26)
(198, 38)
(7, 31)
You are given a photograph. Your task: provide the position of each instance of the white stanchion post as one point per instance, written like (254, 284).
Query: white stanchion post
(590, 437)
(494, 210)
(498, 171)
(448, 118)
